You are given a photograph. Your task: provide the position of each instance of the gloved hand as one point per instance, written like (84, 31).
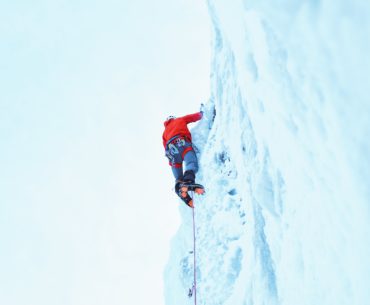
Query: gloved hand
(201, 108)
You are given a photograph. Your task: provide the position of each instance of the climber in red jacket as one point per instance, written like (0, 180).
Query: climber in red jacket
(177, 143)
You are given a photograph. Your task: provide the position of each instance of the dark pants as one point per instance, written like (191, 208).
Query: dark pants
(178, 151)
(191, 163)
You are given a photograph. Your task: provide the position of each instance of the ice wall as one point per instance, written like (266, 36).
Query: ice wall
(284, 155)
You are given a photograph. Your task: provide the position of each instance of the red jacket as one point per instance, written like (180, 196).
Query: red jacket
(179, 127)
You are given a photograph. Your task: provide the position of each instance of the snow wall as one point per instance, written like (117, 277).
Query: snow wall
(284, 154)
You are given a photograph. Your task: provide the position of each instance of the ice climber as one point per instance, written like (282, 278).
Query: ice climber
(178, 145)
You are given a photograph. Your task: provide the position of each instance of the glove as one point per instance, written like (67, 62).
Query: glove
(202, 108)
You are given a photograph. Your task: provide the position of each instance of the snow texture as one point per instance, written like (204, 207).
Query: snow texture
(285, 158)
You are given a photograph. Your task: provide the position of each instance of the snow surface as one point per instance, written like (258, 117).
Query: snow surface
(284, 154)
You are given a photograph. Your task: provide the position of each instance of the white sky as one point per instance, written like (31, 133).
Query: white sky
(86, 203)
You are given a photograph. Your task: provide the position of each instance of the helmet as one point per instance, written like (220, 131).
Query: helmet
(171, 117)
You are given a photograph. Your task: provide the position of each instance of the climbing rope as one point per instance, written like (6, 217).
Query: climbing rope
(193, 291)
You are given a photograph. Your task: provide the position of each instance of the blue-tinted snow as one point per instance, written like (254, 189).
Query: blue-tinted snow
(285, 158)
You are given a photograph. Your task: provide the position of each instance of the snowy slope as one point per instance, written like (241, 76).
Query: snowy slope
(284, 154)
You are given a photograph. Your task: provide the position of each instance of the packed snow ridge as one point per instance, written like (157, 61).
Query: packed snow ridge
(285, 158)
